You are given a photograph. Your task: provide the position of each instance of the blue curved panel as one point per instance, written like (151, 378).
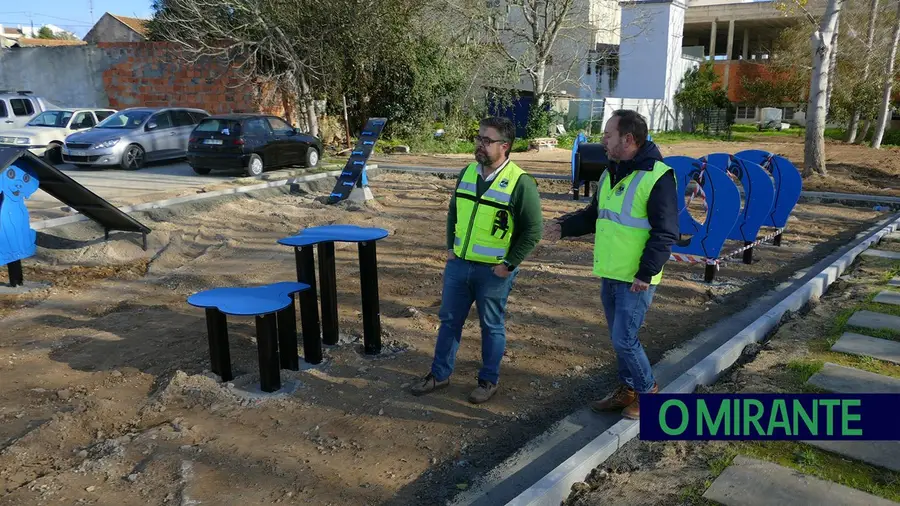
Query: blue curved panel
(16, 236)
(723, 206)
(787, 180)
(759, 194)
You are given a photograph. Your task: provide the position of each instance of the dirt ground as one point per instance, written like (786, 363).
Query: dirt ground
(106, 397)
(851, 168)
(678, 472)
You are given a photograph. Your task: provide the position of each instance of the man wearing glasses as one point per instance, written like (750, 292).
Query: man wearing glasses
(494, 222)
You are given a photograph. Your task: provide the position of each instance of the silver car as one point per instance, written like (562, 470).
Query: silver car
(133, 137)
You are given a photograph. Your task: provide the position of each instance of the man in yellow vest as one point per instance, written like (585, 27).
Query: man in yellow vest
(494, 223)
(634, 217)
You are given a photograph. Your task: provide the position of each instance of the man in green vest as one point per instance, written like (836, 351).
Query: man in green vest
(494, 223)
(634, 216)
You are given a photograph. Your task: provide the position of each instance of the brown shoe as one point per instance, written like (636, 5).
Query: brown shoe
(429, 384)
(483, 392)
(633, 411)
(621, 397)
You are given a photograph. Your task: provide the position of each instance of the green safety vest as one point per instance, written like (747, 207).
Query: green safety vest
(622, 224)
(484, 225)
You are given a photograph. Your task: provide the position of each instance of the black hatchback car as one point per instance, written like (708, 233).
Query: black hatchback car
(253, 142)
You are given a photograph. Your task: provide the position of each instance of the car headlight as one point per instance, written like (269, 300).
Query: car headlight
(7, 140)
(106, 144)
(23, 141)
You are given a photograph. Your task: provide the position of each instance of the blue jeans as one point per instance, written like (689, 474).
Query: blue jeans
(625, 312)
(464, 283)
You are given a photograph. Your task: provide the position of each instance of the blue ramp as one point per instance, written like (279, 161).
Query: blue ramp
(759, 194)
(787, 180)
(723, 206)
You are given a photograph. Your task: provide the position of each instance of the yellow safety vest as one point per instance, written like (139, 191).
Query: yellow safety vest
(622, 224)
(484, 225)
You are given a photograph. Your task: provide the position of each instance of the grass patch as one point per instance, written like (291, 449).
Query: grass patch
(693, 494)
(799, 371)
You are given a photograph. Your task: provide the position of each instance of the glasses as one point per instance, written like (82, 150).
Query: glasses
(487, 141)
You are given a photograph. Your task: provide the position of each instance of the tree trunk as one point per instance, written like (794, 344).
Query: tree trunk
(865, 132)
(870, 40)
(310, 107)
(814, 149)
(884, 114)
(831, 67)
(538, 82)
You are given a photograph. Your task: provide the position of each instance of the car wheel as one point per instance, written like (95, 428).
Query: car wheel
(133, 157)
(255, 166)
(312, 157)
(201, 170)
(53, 154)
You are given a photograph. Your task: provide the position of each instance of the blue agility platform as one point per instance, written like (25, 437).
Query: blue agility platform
(354, 173)
(323, 238)
(758, 197)
(787, 180)
(276, 327)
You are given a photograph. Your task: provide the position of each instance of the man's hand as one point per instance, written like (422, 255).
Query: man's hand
(501, 271)
(639, 286)
(552, 231)
(451, 255)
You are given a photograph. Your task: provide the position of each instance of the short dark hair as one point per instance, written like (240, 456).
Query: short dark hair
(630, 122)
(502, 125)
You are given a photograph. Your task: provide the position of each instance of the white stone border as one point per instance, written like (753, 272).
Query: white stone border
(556, 486)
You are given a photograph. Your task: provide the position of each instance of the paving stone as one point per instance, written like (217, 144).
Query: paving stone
(884, 454)
(847, 380)
(868, 346)
(893, 255)
(752, 482)
(894, 282)
(886, 297)
(873, 320)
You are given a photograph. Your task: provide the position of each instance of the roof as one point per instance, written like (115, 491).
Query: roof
(11, 31)
(28, 42)
(239, 115)
(137, 24)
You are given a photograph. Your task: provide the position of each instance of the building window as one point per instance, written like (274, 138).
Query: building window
(745, 112)
(787, 113)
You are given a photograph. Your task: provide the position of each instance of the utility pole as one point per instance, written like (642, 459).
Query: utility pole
(91, 9)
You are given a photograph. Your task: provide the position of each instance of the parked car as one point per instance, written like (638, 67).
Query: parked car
(45, 134)
(133, 137)
(253, 142)
(17, 108)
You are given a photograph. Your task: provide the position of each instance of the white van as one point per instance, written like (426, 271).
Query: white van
(17, 108)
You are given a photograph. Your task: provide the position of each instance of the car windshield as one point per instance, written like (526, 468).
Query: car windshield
(220, 126)
(125, 119)
(55, 119)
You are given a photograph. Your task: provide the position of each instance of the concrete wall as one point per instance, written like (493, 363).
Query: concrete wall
(67, 76)
(110, 29)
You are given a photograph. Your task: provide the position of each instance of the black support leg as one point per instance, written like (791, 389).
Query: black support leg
(219, 354)
(710, 273)
(748, 254)
(309, 311)
(575, 191)
(16, 277)
(368, 278)
(777, 240)
(267, 344)
(287, 338)
(328, 286)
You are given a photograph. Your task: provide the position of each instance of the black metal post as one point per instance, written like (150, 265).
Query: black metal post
(267, 344)
(309, 311)
(710, 273)
(575, 191)
(328, 286)
(16, 278)
(368, 280)
(217, 333)
(287, 337)
(748, 253)
(587, 189)
(777, 240)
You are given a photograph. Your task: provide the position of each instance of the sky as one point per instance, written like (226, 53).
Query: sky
(72, 15)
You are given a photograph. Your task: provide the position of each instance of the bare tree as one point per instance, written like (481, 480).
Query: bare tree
(870, 41)
(816, 110)
(832, 66)
(884, 114)
(260, 41)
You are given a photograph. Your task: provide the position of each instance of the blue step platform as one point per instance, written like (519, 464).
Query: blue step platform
(276, 327)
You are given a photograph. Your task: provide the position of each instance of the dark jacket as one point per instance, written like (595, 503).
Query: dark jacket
(662, 212)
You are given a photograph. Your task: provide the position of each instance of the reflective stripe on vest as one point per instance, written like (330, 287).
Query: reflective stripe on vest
(624, 217)
(484, 225)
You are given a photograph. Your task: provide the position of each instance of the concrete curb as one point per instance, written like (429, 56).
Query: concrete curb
(66, 220)
(554, 487)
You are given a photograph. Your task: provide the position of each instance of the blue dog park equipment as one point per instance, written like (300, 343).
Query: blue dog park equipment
(354, 173)
(17, 239)
(323, 238)
(276, 328)
(770, 188)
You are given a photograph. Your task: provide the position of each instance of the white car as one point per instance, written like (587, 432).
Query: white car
(19, 107)
(45, 134)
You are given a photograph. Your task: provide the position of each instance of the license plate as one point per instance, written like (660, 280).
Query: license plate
(77, 153)
(216, 142)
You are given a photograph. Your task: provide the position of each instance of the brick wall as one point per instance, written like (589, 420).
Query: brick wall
(151, 74)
